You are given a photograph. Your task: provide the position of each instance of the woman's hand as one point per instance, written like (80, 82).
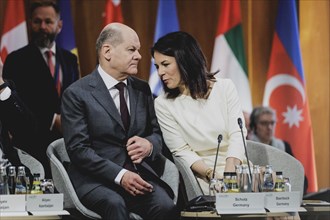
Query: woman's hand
(230, 164)
(204, 172)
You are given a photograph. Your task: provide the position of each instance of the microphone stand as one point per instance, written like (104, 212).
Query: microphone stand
(239, 120)
(216, 156)
(205, 202)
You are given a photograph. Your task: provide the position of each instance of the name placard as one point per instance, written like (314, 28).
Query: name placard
(239, 203)
(282, 201)
(12, 203)
(44, 202)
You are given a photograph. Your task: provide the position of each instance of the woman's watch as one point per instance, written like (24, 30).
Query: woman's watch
(209, 174)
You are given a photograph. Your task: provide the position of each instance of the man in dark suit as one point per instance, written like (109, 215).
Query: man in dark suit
(112, 135)
(40, 79)
(15, 119)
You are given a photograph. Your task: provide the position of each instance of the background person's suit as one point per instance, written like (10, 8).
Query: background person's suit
(16, 119)
(94, 133)
(27, 68)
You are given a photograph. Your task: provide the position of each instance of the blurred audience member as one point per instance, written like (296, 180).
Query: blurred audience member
(15, 120)
(41, 71)
(262, 129)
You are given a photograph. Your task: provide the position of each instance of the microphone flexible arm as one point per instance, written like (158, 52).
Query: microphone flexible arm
(239, 120)
(216, 156)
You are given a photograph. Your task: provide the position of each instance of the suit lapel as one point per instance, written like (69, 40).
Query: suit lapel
(60, 61)
(102, 95)
(38, 60)
(133, 98)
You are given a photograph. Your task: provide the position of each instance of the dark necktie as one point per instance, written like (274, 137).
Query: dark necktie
(123, 105)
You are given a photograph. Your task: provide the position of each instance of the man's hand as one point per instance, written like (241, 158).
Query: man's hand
(134, 184)
(138, 148)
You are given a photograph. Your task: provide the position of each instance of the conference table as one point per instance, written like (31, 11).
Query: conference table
(50, 215)
(31, 217)
(312, 211)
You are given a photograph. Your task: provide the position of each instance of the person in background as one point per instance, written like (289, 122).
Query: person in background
(41, 71)
(262, 127)
(195, 108)
(15, 119)
(112, 135)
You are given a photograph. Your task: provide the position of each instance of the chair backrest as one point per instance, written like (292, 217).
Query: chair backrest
(262, 154)
(190, 185)
(258, 153)
(32, 163)
(171, 176)
(58, 156)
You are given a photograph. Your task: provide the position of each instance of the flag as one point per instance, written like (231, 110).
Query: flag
(228, 53)
(167, 21)
(14, 33)
(286, 93)
(113, 12)
(66, 38)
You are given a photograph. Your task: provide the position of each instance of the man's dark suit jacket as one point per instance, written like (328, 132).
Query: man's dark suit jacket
(16, 119)
(94, 133)
(28, 70)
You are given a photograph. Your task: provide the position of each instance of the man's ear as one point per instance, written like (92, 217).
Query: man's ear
(106, 51)
(59, 26)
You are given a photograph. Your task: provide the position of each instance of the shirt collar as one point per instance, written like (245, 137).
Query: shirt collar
(109, 81)
(44, 49)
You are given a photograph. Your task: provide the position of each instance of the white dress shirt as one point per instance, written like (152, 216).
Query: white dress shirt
(110, 83)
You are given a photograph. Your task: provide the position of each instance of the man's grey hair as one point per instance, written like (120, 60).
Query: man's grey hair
(109, 35)
(257, 112)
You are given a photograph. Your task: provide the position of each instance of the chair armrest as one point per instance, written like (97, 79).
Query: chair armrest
(190, 182)
(171, 177)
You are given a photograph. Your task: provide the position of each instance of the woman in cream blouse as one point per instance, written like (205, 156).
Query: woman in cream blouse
(196, 107)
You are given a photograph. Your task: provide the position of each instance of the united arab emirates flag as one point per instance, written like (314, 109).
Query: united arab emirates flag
(228, 54)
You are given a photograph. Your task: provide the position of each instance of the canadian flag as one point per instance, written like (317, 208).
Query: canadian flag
(113, 12)
(14, 33)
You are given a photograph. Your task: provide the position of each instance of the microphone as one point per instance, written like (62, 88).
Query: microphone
(205, 202)
(240, 123)
(216, 156)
